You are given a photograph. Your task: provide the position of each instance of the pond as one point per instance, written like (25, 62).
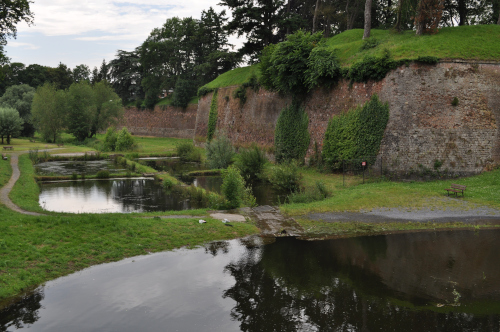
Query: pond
(428, 281)
(114, 195)
(78, 167)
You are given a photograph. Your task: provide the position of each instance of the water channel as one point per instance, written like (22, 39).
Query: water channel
(427, 281)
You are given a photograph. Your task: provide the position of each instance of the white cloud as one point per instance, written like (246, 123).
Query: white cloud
(25, 46)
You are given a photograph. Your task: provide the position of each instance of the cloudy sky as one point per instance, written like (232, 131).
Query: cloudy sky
(87, 31)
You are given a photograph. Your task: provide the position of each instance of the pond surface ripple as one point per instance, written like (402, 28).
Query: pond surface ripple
(429, 281)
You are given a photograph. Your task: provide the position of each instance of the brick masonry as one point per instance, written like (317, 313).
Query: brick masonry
(163, 121)
(423, 125)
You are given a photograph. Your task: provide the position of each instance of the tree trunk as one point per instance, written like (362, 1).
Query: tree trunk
(368, 19)
(315, 18)
(397, 27)
(8, 139)
(419, 25)
(288, 10)
(462, 12)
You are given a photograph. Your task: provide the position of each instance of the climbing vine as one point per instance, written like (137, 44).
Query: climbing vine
(356, 133)
(212, 117)
(291, 136)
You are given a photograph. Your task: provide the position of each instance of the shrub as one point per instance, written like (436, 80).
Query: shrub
(212, 117)
(323, 68)
(369, 43)
(33, 155)
(291, 135)
(251, 162)
(431, 60)
(74, 176)
(286, 177)
(103, 174)
(124, 141)
(311, 194)
(203, 91)
(355, 134)
(110, 139)
(454, 102)
(187, 152)
(234, 190)
(372, 68)
(183, 92)
(219, 152)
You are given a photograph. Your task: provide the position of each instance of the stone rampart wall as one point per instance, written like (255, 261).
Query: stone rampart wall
(423, 126)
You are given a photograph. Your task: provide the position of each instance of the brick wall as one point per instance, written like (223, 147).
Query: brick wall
(163, 121)
(423, 125)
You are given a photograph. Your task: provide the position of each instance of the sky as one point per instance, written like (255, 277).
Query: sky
(78, 32)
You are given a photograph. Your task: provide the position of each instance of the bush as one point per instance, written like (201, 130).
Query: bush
(212, 117)
(103, 174)
(187, 152)
(455, 101)
(251, 162)
(220, 151)
(323, 68)
(291, 135)
(234, 190)
(372, 68)
(286, 177)
(183, 92)
(110, 139)
(369, 43)
(124, 141)
(311, 194)
(356, 134)
(431, 60)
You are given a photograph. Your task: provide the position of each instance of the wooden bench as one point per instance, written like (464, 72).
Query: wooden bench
(456, 188)
(8, 148)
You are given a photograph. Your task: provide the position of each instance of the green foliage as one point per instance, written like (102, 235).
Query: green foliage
(286, 177)
(203, 91)
(372, 68)
(219, 151)
(212, 117)
(369, 43)
(102, 174)
(110, 139)
(455, 101)
(286, 67)
(291, 136)
(234, 190)
(241, 94)
(124, 141)
(355, 134)
(187, 152)
(48, 111)
(20, 98)
(11, 123)
(431, 60)
(318, 192)
(183, 92)
(251, 162)
(323, 68)
(80, 110)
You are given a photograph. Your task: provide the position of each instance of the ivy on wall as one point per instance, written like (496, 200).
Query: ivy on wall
(212, 117)
(291, 136)
(356, 133)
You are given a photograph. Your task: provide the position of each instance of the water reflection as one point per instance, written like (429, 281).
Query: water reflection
(118, 195)
(78, 167)
(399, 282)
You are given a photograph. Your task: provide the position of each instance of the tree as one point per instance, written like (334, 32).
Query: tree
(104, 71)
(11, 123)
(48, 110)
(61, 76)
(126, 74)
(11, 13)
(108, 107)
(429, 13)
(80, 110)
(20, 97)
(81, 73)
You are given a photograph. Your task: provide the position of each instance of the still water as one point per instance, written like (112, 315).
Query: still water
(432, 281)
(115, 195)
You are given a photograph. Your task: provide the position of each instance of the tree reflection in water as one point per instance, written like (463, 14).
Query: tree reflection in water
(22, 313)
(293, 285)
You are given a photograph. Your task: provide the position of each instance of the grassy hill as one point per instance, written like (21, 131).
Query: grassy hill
(477, 42)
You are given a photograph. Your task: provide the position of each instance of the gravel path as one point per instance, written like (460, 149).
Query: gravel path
(465, 212)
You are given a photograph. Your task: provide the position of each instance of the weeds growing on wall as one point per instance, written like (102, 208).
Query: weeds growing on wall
(241, 92)
(212, 117)
(372, 68)
(356, 133)
(291, 136)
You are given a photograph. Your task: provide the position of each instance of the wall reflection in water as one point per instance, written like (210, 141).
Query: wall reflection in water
(404, 282)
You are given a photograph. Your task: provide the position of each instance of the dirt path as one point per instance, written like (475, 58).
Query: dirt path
(5, 191)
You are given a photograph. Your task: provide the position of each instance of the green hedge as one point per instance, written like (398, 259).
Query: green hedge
(291, 136)
(356, 133)
(212, 117)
